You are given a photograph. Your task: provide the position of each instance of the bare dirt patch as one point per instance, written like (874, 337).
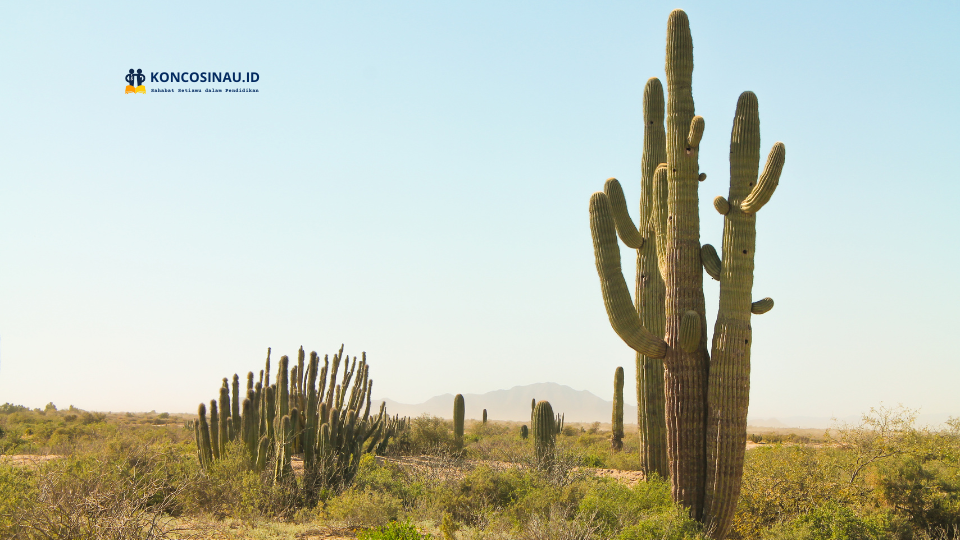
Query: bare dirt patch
(27, 460)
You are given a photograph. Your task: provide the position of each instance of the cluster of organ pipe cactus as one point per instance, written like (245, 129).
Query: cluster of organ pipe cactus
(704, 393)
(544, 434)
(617, 430)
(307, 411)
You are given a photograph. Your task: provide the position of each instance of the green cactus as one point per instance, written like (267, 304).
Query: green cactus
(235, 405)
(458, 414)
(283, 471)
(224, 416)
(332, 439)
(484, 416)
(702, 389)
(204, 444)
(524, 432)
(617, 429)
(215, 429)
(544, 434)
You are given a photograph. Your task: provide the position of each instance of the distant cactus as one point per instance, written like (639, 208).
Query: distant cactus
(203, 437)
(617, 431)
(484, 416)
(524, 432)
(544, 434)
(235, 406)
(458, 413)
(215, 429)
(224, 416)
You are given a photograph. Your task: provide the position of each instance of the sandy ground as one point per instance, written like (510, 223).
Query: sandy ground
(27, 460)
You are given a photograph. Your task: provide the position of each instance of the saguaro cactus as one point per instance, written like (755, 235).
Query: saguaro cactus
(616, 435)
(544, 434)
(484, 416)
(458, 413)
(706, 398)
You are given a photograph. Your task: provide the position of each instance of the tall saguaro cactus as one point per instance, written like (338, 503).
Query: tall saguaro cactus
(616, 432)
(706, 392)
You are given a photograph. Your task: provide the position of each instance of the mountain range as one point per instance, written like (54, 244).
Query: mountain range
(514, 404)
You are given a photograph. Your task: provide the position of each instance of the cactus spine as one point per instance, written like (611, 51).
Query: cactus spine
(544, 434)
(706, 399)
(617, 430)
(458, 413)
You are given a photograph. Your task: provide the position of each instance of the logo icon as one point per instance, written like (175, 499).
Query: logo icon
(135, 82)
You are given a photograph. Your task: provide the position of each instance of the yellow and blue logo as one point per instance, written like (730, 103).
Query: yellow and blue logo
(135, 82)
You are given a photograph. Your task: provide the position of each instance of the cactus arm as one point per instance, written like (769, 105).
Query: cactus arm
(658, 216)
(616, 297)
(621, 217)
(693, 138)
(761, 306)
(721, 204)
(768, 180)
(711, 261)
(690, 331)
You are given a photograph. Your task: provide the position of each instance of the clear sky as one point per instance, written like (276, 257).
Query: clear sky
(412, 180)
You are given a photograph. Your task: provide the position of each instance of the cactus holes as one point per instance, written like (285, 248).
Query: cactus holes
(744, 252)
(746, 341)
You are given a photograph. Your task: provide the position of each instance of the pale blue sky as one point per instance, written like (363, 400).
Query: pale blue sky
(412, 180)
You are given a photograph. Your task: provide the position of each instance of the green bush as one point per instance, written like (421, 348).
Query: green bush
(364, 508)
(835, 522)
(386, 478)
(394, 531)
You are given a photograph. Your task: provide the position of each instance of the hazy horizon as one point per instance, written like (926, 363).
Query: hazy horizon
(412, 181)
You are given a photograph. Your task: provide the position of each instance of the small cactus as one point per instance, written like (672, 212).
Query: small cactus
(484, 416)
(544, 434)
(458, 413)
(617, 431)
(524, 432)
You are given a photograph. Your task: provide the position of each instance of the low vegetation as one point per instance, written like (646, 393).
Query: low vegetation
(137, 476)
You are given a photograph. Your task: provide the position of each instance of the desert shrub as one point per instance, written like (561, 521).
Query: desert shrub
(98, 497)
(926, 492)
(229, 488)
(555, 526)
(364, 508)
(643, 511)
(835, 522)
(480, 490)
(18, 488)
(670, 523)
(425, 435)
(781, 483)
(386, 478)
(395, 530)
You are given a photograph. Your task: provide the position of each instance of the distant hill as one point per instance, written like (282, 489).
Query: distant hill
(514, 404)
